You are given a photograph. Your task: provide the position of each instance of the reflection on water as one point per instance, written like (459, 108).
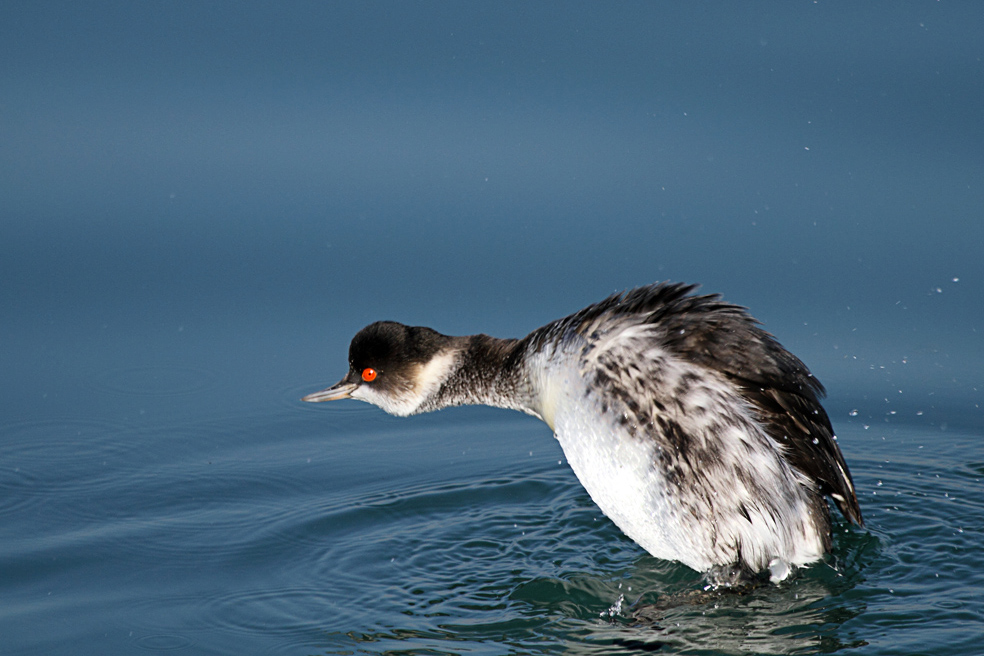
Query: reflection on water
(805, 615)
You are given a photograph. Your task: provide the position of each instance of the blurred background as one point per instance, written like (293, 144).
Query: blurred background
(214, 172)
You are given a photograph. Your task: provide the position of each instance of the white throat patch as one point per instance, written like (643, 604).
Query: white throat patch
(422, 385)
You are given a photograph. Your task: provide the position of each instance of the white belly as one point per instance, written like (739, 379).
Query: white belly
(617, 471)
(621, 473)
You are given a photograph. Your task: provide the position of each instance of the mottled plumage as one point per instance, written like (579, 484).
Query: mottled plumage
(698, 434)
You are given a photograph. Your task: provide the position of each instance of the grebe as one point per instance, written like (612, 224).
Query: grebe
(692, 428)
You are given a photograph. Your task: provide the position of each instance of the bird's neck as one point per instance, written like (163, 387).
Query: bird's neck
(488, 371)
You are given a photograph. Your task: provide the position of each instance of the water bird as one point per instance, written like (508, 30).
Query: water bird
(691, 427)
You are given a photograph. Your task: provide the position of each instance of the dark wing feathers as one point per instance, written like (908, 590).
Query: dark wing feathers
(712, 333)
(804, 427)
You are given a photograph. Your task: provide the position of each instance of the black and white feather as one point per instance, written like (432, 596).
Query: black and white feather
(700, 436)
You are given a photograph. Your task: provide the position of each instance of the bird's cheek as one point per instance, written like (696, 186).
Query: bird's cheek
(390, 401)
(364, 393)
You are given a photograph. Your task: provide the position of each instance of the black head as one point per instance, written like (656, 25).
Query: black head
(387, 366)
(388, 344)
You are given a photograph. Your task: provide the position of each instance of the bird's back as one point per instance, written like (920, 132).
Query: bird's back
(685, 404)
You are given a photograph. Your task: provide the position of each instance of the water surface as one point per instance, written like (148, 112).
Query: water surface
(202, 202)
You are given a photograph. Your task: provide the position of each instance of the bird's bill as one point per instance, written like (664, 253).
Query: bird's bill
(340, 390)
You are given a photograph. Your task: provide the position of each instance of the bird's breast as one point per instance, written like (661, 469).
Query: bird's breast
(709, 491)
(616, 468)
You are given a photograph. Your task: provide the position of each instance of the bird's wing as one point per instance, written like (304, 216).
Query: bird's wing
(706, 331)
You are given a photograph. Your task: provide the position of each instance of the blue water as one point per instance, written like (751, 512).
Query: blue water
(202, 202)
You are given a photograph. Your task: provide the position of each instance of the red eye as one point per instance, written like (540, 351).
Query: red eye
(369, 374)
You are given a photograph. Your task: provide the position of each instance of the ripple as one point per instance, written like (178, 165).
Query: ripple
(924, 512)
(37, 441)
(466, 546)
(464, 558)
(154, 492)
(290, 397)
(199, 511)
(527, 555)
(19, 489)
(795, 617)
(47, 458)
(282, 611)
(164, 642)
(376, 506)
